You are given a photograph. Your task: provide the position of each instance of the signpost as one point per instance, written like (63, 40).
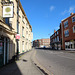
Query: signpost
(8, 10)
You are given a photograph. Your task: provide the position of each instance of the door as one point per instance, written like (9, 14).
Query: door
(1, 52)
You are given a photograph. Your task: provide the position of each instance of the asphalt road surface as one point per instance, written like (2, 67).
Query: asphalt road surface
(57, 62)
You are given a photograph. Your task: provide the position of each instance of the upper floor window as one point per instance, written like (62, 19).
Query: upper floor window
(7, 21)
(23, 19)
(73, 19)
(26, 25)
(57, 32)
(57, 38)
(74, 29)
(23, 31)
(53, 35)
(65, 24)
(53, 40)
(66, 33)
(17, 27)
(26, 32)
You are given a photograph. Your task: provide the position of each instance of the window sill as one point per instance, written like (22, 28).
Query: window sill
(67, 36)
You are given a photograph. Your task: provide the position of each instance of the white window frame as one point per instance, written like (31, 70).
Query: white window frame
(66, 24)
(73, 29)
(65, 31)
(72, 19)
(57, 38)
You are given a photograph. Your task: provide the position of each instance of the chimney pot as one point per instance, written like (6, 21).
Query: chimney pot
(54, 31)
(72, 13)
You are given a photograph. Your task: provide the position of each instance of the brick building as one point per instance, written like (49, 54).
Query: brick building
(41, 43)
(56, 39)
(35, 43)
(68, 32)
(64, 38)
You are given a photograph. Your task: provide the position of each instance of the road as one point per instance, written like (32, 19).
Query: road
(57, 62)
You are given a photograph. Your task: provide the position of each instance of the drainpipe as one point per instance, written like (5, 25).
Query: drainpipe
(17, 29)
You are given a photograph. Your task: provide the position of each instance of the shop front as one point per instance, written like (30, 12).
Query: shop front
(70, 45)
(1, 52)
(57, 45)
(4, 50)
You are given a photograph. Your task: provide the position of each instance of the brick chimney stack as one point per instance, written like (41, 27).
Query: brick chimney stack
(54, 31)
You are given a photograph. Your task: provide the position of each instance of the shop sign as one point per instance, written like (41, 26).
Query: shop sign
(72, 40)
(17, 36)
(8, 10)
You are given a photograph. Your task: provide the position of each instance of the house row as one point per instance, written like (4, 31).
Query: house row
(41, 43)
(64, 37)
(15, 32)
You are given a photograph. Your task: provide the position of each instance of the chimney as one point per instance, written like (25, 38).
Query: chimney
(54, 31)
(72, 13)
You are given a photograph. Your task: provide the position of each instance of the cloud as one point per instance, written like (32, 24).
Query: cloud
(70, 10)
(64, 12)
(52, 8)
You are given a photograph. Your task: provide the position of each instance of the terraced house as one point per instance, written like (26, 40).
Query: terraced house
(15, 32)
(56, 39)
(68, 32)
(66, 37)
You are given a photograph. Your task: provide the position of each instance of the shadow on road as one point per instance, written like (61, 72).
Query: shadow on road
(47, 49)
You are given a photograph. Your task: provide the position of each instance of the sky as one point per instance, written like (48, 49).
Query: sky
(46, 15)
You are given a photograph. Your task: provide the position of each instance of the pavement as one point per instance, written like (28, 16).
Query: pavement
(24, 66)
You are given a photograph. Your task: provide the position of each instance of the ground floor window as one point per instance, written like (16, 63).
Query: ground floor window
(70, 45)
(23, 45)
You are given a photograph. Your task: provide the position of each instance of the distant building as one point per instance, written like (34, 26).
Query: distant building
(41, 43)
(55, 42)
(64, 38)
(35, 43)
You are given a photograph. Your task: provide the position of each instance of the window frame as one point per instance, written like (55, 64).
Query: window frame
(72, 19)
(68, 32)
(22, 31)
(73, 29)
(66, 24)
